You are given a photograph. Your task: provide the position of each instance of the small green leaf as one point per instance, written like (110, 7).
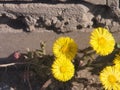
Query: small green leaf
(118, 45)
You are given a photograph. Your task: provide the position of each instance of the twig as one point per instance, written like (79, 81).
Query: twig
(28, 79)
(46, 84)
(10, 64)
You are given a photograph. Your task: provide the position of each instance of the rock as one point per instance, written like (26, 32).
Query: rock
(107, 21)
(29, 20)
(77, 86)
(113, 3)
(114, 23)
(103, 21)
(58, 24)
(30, 28)
(114, 29)
(47, 22)
(54, 20)
(86, 20)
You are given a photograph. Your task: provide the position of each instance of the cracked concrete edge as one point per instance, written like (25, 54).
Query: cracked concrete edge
(61, 17)
(58, 15)
(36, 9)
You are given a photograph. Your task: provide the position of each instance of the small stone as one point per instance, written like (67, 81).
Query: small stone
(30, 28)
(98, 18)
(58, 24)
(115, 23)
(81, 63)
(48, 22)
(54, 20)
(103, 21)
(77, 86)
(114, 29)
(29, 20)
(107, 21)
(113, 3)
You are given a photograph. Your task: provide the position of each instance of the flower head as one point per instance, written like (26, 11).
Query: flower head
(102, 41)
(63, 69)
(117, 59)
(110, 78)
(65, 47)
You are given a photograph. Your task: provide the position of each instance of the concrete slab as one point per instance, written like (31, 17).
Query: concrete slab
(14, 41)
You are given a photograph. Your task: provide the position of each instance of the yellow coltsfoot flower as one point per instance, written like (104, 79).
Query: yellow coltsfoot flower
(63, 69)
(102, 41)
(65, 47)
(117, 59)
(110, 78)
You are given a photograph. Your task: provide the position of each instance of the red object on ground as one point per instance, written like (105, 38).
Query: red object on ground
(17, 55)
